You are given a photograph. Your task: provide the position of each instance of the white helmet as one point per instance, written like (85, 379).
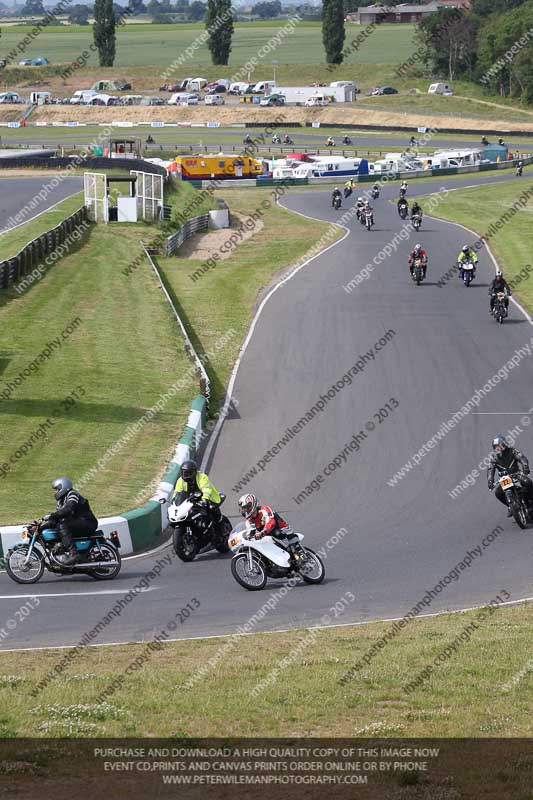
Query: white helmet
(248, 504)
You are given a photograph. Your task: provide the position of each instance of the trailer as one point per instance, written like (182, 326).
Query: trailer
(332, 94)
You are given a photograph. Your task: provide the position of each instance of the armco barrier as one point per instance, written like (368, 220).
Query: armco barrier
(140, 528)
(32, 254)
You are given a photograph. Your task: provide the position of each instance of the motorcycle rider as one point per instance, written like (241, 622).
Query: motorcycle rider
(484, 141)
(267, 522)
(190, 480)
(73, 516)
(375, 190)
(507, 460)
(366, 208)
(350, 184)
(415, 209)
(412, 141)
(336, 193)
(499, 284)
(330, 141)
(287, 139)
(417, 253)
(346, 139)
(403, 189)
(247, 139)
(276, 139)
(402, 203)
(519, 169)
(467, 254)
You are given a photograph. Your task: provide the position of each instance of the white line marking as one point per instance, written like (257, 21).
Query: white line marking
(280, 630)
(71, 594)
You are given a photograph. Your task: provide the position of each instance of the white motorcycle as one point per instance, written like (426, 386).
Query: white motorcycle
(195, 530)
(256, 560)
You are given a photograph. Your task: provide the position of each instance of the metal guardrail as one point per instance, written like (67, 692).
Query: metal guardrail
(203, 377)
(33, 253)
(193, 225)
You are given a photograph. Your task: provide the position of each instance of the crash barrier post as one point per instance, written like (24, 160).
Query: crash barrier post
(16, 267)
(140, 528)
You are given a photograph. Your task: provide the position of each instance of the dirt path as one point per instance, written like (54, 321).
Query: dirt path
(202, 246)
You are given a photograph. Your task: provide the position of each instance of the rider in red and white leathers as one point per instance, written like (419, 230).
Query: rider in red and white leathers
(266, 522)
(416, 253)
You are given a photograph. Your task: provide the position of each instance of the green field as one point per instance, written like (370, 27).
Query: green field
(159, 45)
(482, 690)
(478, 208)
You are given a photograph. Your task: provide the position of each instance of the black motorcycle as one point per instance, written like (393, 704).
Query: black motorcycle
(375, 193)
(500, 308)
(402, 211)
(417, 221)
(346, 140)
(337, 202)
(41, 548)
(517, 502)
(196, 530)
(347, 192)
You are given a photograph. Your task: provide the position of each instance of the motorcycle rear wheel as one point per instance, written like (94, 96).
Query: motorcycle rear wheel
(110, 553)
(255, 581)
(184, 543)
(223, 543)
(20, 574)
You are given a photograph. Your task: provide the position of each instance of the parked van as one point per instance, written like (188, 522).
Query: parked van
(316, 100)
(184, 85)
(39, 98)
(341, 84)
(104, 100)
(196, 85)
(82, 96)
(265, 86)
(214, 100)
(440, 88)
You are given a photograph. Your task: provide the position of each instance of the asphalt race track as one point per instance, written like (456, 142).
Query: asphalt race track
(388, 545)
(16, 193)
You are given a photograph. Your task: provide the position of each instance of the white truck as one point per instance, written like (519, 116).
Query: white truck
(299, 94)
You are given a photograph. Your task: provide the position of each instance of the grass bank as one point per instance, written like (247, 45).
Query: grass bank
(483, 689)
(12, 241)
(483, 207)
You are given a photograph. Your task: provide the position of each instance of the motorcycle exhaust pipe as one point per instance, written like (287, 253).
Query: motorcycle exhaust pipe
(90, 565)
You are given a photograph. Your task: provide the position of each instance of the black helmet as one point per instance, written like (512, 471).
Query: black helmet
(466, 249)
(61, 486)
(499, 443)
(188, 470)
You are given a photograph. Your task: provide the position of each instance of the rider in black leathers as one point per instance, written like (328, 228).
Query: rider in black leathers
(499, 284)
(507, 460)
(73, 516)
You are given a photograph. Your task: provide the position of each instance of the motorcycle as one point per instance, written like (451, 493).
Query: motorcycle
(346, 140)
(418, 271)
(467, 272)
(287, 140)
(403, 192)
(516, 499)
(330, 143)
(256, 560)
(417, 221)
(402, 211)
(519, 172)
(500, 309)
(41, 546)
(375, 194)
(195, 531)
(369, 219)
(276, 140)
(347, 192)
(337, 202)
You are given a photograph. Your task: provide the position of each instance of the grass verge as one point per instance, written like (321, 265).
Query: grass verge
(483, 207)
(483, 689)
(89, 384)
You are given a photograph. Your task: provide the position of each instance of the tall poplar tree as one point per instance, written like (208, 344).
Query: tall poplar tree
(104, 32)
(333, 30)
(219, 24)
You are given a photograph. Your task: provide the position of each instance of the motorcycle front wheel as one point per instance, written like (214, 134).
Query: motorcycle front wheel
(185, 544)
(252, 579)
(312, 570)
(106, 552)
(20, 573)
(519, 514)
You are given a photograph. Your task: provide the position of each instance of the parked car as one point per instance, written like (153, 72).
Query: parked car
(10, 97)
(122, 86)
(26, 62)
(170, 87)
(383, 90)
(3, 63)
(218, 89)
(273, 100)
(156, 101)
(214, 100)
